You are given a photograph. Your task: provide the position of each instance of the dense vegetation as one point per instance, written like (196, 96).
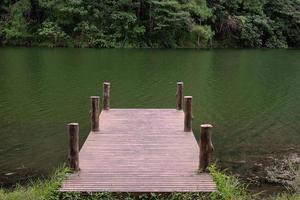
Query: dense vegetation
(229, 188)
(150, 23)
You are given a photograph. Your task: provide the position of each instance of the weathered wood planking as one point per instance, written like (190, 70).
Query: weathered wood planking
(140, 150)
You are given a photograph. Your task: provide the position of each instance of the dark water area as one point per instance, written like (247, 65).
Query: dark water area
(252, 97)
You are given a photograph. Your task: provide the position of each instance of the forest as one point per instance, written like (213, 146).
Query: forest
(151, 23)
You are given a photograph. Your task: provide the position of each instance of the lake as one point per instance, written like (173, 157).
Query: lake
(252, 97)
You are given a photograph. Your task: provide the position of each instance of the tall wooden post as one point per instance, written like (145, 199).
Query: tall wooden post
(179, 96)
(206, 147)
(95, 111)
(73, 157)
(106, 96)
(188, 113)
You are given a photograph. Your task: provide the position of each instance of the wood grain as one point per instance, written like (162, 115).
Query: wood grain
(140, 150)
(73, 156)
(95, 111)
(188, 116)
(179, 96)
(106, 96)
(206, 147)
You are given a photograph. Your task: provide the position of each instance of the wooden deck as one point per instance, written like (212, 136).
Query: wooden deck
(139, 150)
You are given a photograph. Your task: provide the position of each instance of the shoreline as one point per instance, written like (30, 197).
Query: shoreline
(229, 187)
(271, 174)
(217, 47)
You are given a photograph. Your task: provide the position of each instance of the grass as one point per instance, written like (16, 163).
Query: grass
(229, 188)
(39, 189)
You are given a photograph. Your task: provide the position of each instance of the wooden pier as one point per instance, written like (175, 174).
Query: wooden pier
(140, 150)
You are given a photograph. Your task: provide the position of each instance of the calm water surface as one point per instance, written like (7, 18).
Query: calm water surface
(252, 97)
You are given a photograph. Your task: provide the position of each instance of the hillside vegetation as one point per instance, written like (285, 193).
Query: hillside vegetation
(150, 23)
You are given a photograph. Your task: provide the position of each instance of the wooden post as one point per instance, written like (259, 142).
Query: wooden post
(206, 147)
(73, 146)
(95, 113)
(179, 96)
(188, 113)
(106, 96)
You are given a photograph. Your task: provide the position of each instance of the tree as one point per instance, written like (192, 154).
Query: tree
(286, 16)
(257, 23)
(169, 22)
(15, 24)
(151, 23)
(50, 31)
(204, 35)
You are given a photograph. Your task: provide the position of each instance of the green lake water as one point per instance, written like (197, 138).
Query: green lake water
(252, 97)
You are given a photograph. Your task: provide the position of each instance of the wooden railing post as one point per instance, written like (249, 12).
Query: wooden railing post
(106, 96)
(206, 147)
(188, 116)
(95, 111)
(179, 96)
(73, 157)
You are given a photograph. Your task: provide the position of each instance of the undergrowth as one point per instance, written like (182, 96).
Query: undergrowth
(228, 188)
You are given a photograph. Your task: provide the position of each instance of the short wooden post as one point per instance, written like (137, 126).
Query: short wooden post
(188, 113)
(179, 96)
(206, 147)
(95, 111)
(73, 157)
(106, 96)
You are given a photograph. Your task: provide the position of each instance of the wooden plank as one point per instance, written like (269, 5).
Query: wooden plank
(140, 150)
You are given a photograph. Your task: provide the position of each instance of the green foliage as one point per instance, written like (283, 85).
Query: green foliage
(261, 31)
(46, 189)
(258, 23)
(107, 23)
(15, 26)
(150, 23)
(204, 34)
(286, 17)
(168, 22)
(229, 188)
(198, 10)
(50, 31)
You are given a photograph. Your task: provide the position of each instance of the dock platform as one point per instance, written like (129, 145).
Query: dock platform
(139, 150)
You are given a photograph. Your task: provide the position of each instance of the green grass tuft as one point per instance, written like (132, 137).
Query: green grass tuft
(46, 189)
(229, 188)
